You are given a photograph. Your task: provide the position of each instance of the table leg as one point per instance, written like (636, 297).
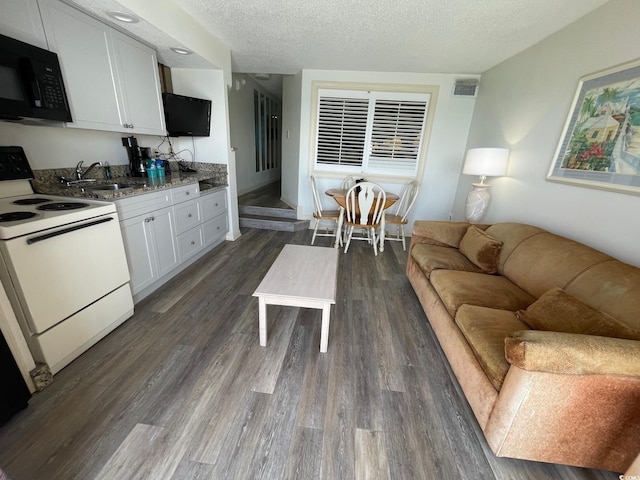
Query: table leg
(262, 321)
(339, 228)
(324, 330)
(382, 227)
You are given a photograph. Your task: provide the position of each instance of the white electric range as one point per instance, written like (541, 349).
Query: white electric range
(62, 264)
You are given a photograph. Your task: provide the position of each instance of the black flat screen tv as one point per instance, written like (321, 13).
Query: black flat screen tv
(186, 116)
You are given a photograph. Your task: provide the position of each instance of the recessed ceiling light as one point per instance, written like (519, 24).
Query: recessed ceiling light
(181, 51)
(122, 16)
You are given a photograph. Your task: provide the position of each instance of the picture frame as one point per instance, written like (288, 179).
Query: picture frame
(600, 143)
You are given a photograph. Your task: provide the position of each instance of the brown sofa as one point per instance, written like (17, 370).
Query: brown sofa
(543, 335)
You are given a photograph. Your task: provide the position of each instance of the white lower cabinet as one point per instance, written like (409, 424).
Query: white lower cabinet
(150, 245)
(214, 215)
(165, 230)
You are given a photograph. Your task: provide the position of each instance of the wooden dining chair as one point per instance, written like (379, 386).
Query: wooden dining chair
(398, 219)
(348, 182)
(322, 215)
(364, 208)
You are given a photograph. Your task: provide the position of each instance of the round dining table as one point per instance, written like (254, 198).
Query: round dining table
(340, 196)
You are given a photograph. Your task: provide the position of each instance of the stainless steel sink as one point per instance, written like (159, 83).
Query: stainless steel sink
(109, 186)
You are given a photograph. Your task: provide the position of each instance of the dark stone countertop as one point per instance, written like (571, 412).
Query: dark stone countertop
(138, 185)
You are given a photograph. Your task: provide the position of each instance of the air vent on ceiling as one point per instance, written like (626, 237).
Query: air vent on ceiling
(466, 87)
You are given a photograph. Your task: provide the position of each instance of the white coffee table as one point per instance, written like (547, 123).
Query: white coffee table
(301, 276)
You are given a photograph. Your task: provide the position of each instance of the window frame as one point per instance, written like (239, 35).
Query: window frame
(377, 90)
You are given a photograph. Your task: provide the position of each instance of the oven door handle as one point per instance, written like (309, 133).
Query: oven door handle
(47, 236)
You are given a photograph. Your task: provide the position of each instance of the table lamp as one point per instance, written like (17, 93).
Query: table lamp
(485, 162)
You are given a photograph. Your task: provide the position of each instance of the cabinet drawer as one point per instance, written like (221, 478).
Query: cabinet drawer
(213, 204)
(215, 229)
(190, 242)
(135, 205)
(184, 193)
(187, 215)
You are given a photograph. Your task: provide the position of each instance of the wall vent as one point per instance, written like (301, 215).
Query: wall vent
(466, 87)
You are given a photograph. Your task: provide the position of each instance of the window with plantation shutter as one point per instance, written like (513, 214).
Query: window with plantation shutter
(370, 131)
(342, 127)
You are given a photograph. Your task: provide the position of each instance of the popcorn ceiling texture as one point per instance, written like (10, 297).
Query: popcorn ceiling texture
(425, 36)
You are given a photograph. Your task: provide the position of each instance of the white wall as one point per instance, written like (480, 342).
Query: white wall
(216, 148)
(210, 85)
(291, 107)
(446, 144)
(523, 104)
(242, 127)
(57, 147)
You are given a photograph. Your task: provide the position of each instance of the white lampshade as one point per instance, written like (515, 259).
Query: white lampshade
(488, 162)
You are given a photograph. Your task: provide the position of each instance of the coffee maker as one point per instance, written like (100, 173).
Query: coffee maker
(138, 156)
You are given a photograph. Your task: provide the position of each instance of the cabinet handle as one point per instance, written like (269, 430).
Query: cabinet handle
(153, 219)
(192, 242)
(147, 220)
(188, 215)
(216, 204)
(188, 193)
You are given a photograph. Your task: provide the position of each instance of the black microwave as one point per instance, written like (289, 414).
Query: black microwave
(31, 85)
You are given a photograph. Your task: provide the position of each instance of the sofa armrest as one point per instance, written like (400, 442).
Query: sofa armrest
(446, 234)
(572, 354)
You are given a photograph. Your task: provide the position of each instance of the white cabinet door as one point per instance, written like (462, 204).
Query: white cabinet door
(21, 20)
(164, 233)
(111, 79)
(138, 73)
(140, 249)
(83, 47)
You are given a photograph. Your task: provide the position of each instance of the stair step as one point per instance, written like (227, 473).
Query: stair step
(273, 223)
(267, 211)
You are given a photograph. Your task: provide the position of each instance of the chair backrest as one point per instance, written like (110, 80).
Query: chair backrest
(317, 205)
(407, 199)
(348, 182)
(365, 203)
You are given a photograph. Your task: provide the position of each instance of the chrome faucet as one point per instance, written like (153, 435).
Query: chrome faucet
(80, 173)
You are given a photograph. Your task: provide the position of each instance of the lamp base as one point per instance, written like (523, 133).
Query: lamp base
(477, 202)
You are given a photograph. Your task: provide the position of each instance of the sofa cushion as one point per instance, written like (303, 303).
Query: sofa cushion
(481, 248)
(545, 261)
(443, 233)
(458, 288)
(485, 330)
(558, 311)
(572, 353)
(434, 257)
(605, 281)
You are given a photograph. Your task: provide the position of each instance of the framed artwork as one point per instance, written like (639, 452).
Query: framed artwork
(600, 143)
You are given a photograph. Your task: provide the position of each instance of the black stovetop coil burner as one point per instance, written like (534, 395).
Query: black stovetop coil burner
(31, 201)
(14, 216)
(62, 206)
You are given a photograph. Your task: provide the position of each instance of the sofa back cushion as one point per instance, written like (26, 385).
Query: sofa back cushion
(612, 287)
(559, 311)
(542, 261)
(511, 235)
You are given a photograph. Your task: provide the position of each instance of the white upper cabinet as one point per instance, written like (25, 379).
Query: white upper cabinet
(111, 79)
(140, 85)
(21, 20)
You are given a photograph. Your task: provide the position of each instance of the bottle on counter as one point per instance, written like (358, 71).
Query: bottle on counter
(160, 168)
(107, 171)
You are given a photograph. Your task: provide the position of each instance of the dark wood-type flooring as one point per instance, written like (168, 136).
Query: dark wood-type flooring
(183, 390)
(267, 196)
